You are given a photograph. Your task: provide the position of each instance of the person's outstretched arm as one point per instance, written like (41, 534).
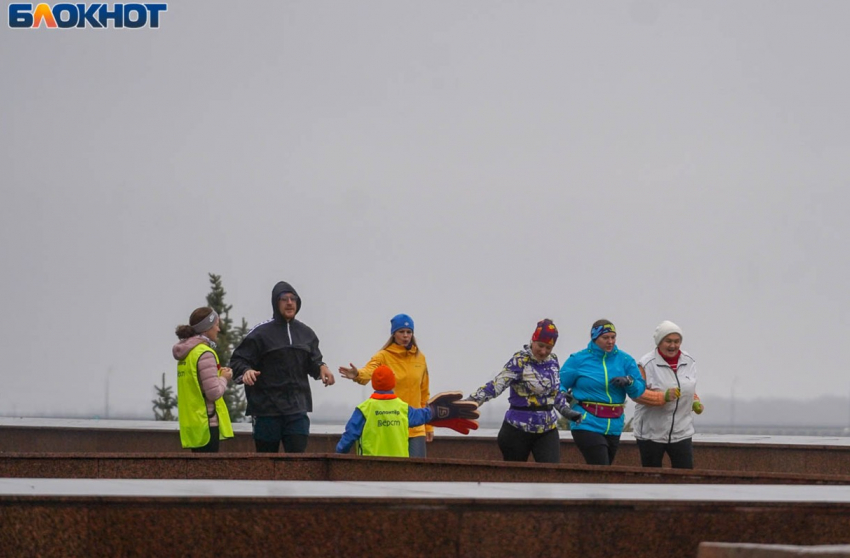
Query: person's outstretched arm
(508, 375)
(418, 417)
(363, 375)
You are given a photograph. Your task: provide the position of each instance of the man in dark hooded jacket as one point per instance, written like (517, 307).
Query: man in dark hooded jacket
(274, 362)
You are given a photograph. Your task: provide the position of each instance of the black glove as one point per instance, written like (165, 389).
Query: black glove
(448, 405)
(622, 381)
(570, 415)
(569, 395)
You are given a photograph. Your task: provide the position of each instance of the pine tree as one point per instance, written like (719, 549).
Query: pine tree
(165, 402)
(234, 397)
(215, 300)
(228, 339)
(240, 333)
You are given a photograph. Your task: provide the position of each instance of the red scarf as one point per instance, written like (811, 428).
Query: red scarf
(672, 361)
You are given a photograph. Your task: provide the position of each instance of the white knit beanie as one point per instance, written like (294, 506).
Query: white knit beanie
(664, 329)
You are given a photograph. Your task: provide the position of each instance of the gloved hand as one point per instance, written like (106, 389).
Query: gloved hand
(448, 405)
(458, 425)
(570, 415)
(672, 394)
(698, 407)
(622, 381)
(570, 398)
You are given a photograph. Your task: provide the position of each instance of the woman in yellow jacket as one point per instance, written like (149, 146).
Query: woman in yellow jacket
(402, 354)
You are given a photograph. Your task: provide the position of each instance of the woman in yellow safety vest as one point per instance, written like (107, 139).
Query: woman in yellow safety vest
(201, 383)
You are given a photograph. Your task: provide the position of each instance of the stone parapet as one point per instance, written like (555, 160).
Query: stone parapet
(60, 517)
(776, 454)
(334, 467)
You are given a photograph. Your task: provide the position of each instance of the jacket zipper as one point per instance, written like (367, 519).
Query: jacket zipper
(289, 333)
(675, 408)
(605, 368)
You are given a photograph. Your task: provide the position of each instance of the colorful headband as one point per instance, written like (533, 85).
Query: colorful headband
(598, 331)
(205, 324)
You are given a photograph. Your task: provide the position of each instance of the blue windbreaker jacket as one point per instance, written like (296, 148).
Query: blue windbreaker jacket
(588, 373)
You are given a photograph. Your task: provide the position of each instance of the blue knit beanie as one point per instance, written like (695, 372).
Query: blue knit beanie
(400, 321)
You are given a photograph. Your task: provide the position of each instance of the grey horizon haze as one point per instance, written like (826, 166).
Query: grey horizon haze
(477, 165)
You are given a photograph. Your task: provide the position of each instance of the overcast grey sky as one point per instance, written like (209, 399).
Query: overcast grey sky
(477, 165)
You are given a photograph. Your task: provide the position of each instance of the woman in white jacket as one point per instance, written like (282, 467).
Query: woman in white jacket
(663, 420)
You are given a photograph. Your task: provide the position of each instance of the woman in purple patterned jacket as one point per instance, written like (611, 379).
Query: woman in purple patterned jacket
(532, 374)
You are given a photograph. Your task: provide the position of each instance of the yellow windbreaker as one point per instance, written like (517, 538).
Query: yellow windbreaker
(411, 374)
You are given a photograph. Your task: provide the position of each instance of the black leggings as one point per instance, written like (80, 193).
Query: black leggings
(212, 445)
(681, 453)
(597, 449)
(516, 445)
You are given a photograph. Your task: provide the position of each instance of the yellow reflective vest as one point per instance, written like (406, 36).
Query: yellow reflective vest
(192, 407)
(385, 431)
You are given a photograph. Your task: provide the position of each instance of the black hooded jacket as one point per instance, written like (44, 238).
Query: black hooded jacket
(285, 354)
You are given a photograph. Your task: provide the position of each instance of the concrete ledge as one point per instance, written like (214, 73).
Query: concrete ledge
(739, 550)
(777, 454)
(335, 519)
(333, 467)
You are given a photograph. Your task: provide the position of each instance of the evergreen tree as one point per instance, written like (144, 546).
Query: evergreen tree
(228, 339)
(165, 402)
(240, 333)
(235, 394)
(215, 300)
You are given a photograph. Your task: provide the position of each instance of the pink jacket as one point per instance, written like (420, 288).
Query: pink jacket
(213, 386)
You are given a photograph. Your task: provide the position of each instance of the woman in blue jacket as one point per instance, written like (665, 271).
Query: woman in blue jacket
(600, 377)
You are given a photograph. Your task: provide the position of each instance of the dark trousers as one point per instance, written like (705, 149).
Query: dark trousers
(290, 430)
(416, 447)
(597, 449)
(212, 445)
(516, 445)
(681, 453)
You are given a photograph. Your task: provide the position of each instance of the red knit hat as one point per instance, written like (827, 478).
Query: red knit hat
(546, 332)
(383, 378)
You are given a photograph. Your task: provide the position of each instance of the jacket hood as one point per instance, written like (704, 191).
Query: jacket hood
(526, 352)
(594, 348)
(280, 288)
(401, 350)
(185, 346)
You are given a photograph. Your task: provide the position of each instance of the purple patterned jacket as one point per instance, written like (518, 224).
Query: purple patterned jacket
(535, 395)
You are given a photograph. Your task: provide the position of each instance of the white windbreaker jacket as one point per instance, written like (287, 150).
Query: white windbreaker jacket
(673, 421)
